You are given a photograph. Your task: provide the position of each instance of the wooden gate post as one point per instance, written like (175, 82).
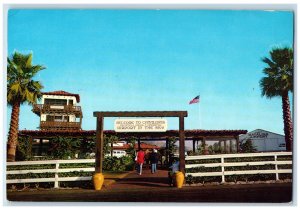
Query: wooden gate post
(181, 144)
(139, 143)
(99, 145)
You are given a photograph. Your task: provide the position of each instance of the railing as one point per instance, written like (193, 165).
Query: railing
(224, 161)
(56, 170)
(48, 125)
(37, 108)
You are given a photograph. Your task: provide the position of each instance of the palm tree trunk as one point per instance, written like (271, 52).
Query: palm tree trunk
(13, 132)
(288, 124)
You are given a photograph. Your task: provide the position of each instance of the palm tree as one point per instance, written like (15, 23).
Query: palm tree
(20, 88)
(278, 82)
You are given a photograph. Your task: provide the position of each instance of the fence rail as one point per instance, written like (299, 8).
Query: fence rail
(224, 161)
(56, 179)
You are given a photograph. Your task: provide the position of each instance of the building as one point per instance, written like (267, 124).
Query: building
(265, 141)
(60, 115)
(119, 148)
(59, 111)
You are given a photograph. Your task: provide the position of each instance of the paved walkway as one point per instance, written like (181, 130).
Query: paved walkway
(146, 180)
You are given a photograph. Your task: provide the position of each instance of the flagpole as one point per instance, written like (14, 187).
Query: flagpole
(199, 112)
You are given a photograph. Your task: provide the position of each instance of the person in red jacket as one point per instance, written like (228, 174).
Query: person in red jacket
(140, 157)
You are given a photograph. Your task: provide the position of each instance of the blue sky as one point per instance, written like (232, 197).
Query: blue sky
(156, 60)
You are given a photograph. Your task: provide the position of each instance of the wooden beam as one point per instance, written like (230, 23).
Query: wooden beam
(181, 145)
(225, 146)
(139, 143)
(99, 145)
(194, 149)
(112, 149)
(30, 145)
(142, 114)
(203, 141)
(167, 151)
(40, 147)
(237, 144)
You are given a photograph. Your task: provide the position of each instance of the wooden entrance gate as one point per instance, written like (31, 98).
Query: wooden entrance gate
(99, 131)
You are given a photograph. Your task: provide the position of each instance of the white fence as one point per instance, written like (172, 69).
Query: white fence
(224, 162)
(56, 179)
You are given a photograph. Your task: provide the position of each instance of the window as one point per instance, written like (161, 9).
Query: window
(49, 118)
(58, 118)
(282, 145)
(56, 101)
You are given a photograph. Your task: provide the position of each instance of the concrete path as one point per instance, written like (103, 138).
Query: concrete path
(146, 180)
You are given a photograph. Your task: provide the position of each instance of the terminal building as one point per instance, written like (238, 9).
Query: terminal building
(265, 141)
(61, 115)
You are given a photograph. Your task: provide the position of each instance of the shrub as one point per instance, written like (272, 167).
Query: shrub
(124, 163)
(247, 146)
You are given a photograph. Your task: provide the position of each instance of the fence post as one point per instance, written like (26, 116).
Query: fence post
(222, 165)
(276, 167)
(56, 183)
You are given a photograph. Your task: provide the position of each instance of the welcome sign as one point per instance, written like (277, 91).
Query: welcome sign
(140, 125)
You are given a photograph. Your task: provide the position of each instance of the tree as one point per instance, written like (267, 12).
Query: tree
(170, 149)
(64, 147)
(108, 141)
(278, 81)
(131, 150)
(247, 146)
(21, 88)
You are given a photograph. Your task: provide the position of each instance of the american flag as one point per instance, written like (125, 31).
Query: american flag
(195, 100)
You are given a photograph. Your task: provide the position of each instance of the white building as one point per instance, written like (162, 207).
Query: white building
(59, 111)
(265, 141)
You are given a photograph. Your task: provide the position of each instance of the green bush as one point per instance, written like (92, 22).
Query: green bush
(247, 146)
(124, 163)
(204, 179)
(64, 147)
(23, 151)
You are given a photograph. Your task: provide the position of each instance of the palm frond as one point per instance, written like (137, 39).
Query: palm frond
(29, 61)
(20, 84)
(279, 73)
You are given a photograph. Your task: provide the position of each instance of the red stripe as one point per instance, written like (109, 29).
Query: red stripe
(194, 101)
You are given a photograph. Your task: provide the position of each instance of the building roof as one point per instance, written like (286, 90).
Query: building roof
(169, 133)
(62, 93)
(259, 134)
